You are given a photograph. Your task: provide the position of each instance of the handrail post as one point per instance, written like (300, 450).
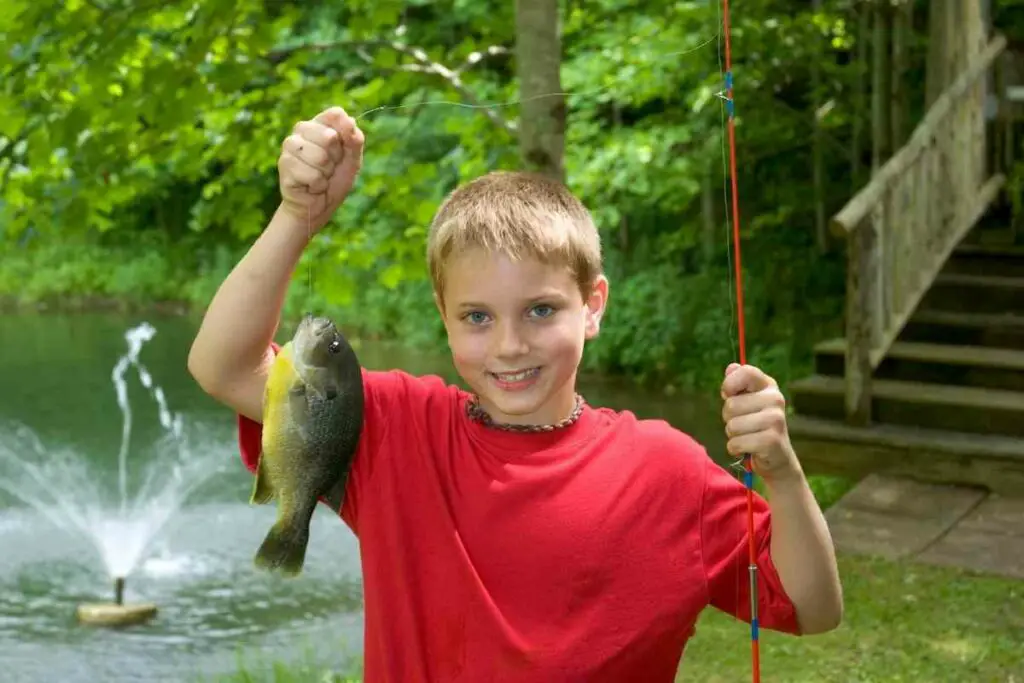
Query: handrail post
(862, 290)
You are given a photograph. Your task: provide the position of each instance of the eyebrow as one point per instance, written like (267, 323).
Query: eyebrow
(553, 295)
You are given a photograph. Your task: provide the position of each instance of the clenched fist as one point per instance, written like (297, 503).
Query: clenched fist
(318, 165)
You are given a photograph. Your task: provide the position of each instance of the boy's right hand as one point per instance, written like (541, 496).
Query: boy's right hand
(318, 165)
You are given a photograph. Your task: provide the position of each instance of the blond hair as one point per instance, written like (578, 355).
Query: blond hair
(516, 213)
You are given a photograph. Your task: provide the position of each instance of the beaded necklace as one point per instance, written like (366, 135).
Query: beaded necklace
(477, 413)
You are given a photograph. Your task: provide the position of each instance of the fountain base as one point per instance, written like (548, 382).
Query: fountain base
(113, 614)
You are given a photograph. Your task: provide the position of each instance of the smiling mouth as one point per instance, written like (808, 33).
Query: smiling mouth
(517, 376)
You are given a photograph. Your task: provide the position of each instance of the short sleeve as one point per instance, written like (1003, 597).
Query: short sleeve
(725, 551)
(382, 393)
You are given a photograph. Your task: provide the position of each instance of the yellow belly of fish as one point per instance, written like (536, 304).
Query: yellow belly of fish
(279, 436)
(281, 378)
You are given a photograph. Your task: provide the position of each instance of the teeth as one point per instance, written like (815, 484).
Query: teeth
(515, 376)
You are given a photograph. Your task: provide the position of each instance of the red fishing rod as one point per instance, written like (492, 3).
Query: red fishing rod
(748, 474)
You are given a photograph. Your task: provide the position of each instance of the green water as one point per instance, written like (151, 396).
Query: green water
(55, 376)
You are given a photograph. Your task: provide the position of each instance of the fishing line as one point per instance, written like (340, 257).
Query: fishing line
(736, 318)
(510, 103)
(660, 58)
(748, 473)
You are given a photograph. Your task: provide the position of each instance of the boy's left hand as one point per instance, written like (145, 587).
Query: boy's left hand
(755, 421)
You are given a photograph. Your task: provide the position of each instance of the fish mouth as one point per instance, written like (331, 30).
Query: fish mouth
(317, 326)
(312, 339)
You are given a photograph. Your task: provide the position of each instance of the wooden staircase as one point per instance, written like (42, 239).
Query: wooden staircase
(948, 397)
(928, 381)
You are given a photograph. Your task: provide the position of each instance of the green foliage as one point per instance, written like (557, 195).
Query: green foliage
(148, 137)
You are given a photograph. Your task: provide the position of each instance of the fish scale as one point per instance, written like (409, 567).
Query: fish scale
(312, 419)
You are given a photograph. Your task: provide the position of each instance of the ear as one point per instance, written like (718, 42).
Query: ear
(595, 306)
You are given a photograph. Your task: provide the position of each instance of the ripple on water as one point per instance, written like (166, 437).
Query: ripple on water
(212, 601)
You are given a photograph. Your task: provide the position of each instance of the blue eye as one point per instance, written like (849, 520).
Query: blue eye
(475, 318)
(543, 311)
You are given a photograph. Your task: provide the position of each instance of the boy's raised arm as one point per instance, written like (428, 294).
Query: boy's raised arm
(231, 352)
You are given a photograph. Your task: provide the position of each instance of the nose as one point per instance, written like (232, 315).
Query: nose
(510, 341)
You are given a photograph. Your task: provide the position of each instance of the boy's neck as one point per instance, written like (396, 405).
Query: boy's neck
(478, 413)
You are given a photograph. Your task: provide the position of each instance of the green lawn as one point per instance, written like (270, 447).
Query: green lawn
(904, 622)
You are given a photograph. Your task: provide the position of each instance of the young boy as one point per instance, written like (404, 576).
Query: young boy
(514, 533)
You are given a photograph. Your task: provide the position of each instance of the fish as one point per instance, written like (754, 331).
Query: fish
(312, 421)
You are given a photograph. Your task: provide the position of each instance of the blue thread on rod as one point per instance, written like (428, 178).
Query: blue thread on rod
(748, 478)
(728, 80)
(753, 628)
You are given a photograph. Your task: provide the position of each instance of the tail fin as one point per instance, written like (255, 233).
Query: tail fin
(284, 548)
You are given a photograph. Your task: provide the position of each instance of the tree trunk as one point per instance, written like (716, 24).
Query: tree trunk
(863, 10)
(902, 31)
(538, 67)
(881, 103)
(821, 229)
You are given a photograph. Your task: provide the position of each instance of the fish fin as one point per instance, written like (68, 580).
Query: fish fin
(284, 548)
(335, 496)
(262, 490)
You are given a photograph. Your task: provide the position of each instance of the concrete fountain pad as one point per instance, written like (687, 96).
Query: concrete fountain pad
(112, 615)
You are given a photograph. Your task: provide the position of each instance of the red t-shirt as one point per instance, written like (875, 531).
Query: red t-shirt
(582, 554)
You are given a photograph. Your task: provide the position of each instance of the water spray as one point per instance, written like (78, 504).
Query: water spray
(58, 483)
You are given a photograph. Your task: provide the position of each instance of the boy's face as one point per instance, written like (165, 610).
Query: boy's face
(516, 330)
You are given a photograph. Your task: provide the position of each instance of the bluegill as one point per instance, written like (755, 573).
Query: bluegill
(312, 419)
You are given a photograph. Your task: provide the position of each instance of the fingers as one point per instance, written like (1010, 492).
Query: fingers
(331, 138)
(297, 173)
(762, 445)
(318, 143)
(337, 119)
(310, 152)
(744, 378)
(343, 125)
(745, 404)
(321, 157)
(766, 421)
(309, 156)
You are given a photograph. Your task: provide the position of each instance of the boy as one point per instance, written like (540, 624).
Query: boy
(514, 533)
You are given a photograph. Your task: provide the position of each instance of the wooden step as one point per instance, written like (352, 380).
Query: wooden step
(986, 259)
(967, 329)
(976, 293)
(832, 447)
(922, 404)
(993, 250)
(960, 365)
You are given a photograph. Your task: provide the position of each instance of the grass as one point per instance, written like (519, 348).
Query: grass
(904, 622)
(307, 669)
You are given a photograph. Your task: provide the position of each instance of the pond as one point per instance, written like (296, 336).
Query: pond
(191, 533)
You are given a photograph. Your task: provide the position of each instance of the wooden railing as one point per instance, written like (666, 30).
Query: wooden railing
(904, 224)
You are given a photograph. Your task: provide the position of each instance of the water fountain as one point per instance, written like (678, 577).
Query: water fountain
(58, 484)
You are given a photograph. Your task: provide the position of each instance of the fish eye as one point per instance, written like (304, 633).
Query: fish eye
(335, 346)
